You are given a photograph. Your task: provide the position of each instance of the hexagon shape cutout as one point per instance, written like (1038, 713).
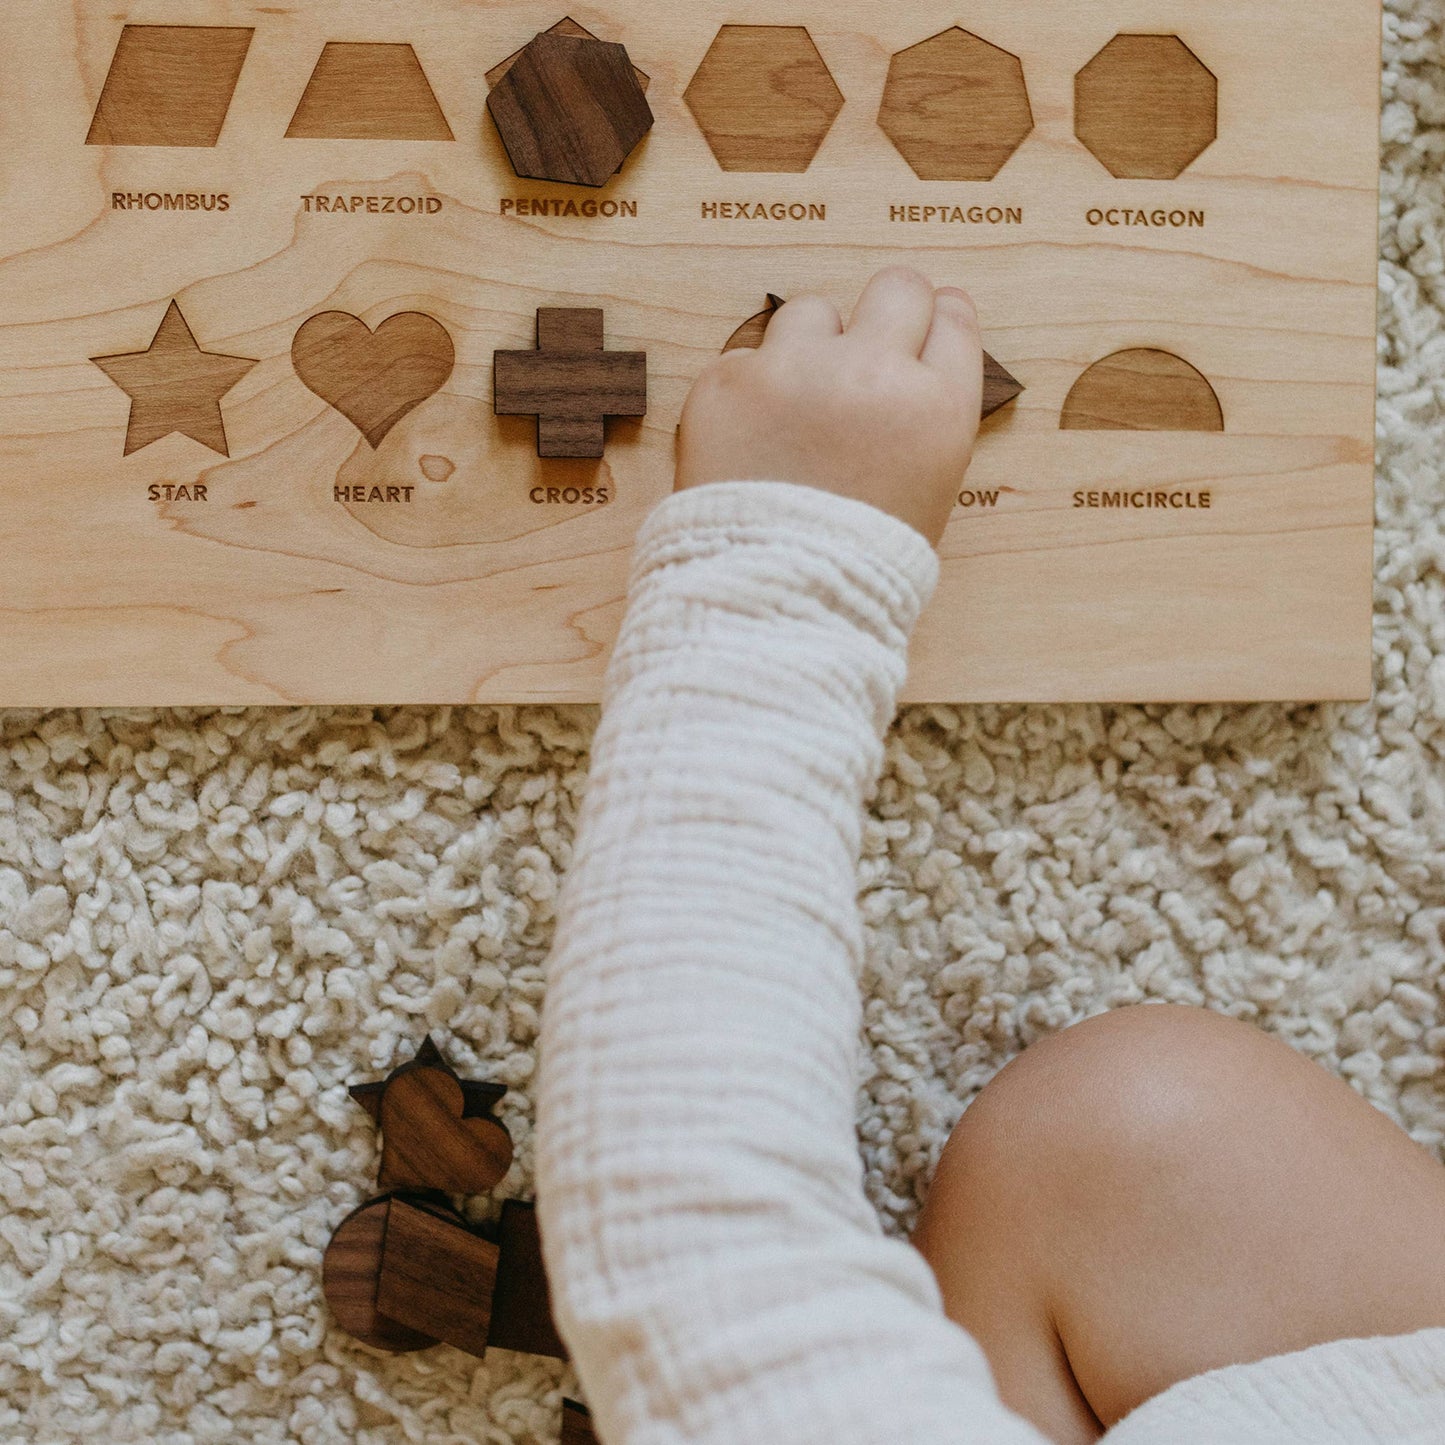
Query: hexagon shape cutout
(764, 98)
(956, 107)
(1146, 106)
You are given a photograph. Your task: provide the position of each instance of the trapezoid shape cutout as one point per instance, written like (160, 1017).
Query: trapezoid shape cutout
(956, 107)
(764, 98)
(369, 91)
(170, 85)
(1146, 106)
(1142, 390)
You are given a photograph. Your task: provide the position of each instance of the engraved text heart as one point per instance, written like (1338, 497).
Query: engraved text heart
(373, 378)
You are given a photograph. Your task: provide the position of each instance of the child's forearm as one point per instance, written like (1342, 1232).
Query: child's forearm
(718, 1272)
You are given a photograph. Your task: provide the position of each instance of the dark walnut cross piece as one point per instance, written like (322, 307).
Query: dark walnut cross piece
(570, 384)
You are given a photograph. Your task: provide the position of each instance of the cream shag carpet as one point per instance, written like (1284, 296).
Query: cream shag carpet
(210, 923)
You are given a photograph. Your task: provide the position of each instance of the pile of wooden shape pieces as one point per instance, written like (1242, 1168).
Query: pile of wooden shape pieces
(406, 1271)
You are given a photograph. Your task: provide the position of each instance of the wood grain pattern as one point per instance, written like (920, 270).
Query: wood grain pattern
(369, 91)
(498, 576)
(373, 378)
(570, 384)
(350, 1272)
(429, 1143)
(1000, 387)
(480, 1098)
(1146, 106)
(956, 106)
(1142, 391)
(522, 1300)
(577, 1424)
(170, 85)
(749, 336)
(436, 1277)
(175, 387)
(566, 26)
(764, 98)
(570, 109)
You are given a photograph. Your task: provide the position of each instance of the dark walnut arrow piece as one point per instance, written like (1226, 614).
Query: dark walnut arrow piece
(999, 387)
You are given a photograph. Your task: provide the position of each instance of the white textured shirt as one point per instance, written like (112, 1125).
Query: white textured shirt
(717, 1270)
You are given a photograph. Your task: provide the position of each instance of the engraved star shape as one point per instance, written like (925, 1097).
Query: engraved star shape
(175, 386)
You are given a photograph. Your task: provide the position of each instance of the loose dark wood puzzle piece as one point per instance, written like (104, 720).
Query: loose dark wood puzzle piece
(436, 1277)
(429, 1143)
(570, 384)
(999, 387)
(569, 108)
(350, 1275)
(577, 1424)
(522, 1307)
(406, 1271)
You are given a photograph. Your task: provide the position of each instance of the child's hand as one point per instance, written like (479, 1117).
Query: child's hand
(885, 412)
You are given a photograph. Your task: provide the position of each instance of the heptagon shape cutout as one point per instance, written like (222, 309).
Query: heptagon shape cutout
(956, 107)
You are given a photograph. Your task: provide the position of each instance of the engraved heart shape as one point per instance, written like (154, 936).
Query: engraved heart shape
(373, 378)
(429, 1143)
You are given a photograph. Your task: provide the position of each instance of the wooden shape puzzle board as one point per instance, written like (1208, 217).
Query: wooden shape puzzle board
(256, 262)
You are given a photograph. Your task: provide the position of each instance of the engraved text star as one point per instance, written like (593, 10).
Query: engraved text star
(175, 387)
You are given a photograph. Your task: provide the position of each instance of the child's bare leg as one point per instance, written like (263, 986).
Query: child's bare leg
(1160, 1192)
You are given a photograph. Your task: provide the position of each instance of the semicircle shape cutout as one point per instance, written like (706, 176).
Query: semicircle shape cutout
(1142, 390)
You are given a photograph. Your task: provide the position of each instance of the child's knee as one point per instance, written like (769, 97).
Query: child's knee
(1118, 1096)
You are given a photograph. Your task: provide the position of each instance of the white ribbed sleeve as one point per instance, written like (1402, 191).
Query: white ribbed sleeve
(717, 1270)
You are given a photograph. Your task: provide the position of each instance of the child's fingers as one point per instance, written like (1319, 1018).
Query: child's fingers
(953, 347)
(803, 317)
(895, 311)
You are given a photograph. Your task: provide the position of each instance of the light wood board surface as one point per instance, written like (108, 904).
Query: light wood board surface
(461, 567)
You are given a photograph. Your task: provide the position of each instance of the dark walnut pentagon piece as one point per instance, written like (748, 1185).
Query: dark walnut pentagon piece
(570, 109)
